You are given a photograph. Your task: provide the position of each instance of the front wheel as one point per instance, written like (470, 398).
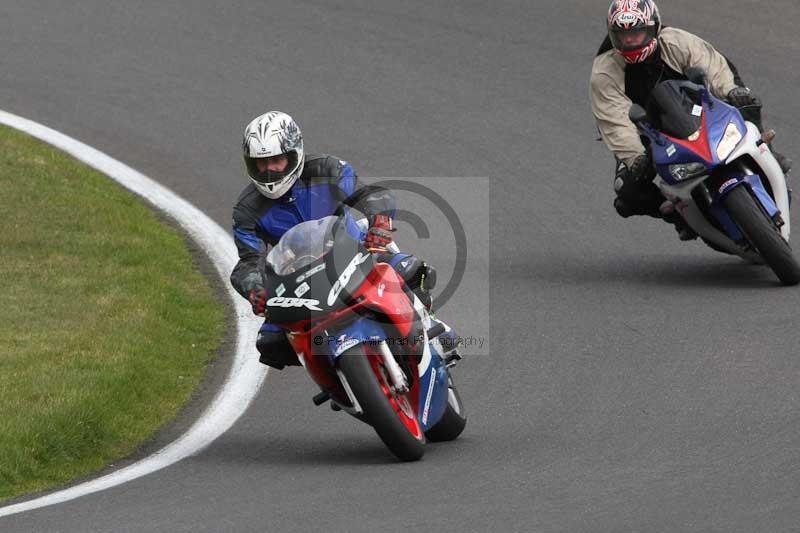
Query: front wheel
(761, 232)
(388, 412)
(454, 419)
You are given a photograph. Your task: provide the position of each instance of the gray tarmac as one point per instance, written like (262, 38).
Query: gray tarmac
(629, 382)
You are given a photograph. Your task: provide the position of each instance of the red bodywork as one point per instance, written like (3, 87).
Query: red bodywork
(700, 145)
(381, 294)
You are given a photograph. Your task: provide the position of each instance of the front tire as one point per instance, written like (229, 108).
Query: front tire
(453, 421)
(390, 414)
(763, 235)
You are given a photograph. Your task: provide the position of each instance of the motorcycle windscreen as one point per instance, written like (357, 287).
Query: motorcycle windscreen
(302, 245)
(675, 108)
(314, 270)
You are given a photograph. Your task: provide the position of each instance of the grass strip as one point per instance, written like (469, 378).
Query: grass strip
(106, 323)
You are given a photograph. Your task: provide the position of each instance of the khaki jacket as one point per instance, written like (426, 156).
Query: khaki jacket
(610, 105)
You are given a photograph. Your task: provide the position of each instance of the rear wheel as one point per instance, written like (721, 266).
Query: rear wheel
(454, 419)
(762, 233)
(390, 413)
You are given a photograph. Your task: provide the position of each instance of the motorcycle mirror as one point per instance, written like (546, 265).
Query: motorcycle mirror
(637, 114)
(696, 75)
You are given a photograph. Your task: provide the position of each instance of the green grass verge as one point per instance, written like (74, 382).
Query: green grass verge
(106, 324)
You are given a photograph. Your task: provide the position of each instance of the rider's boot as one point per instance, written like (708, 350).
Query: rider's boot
(784, 162)
(786, 165)
(445, 339)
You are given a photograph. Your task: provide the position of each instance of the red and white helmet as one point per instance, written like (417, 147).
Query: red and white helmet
(633, 27)
(268, 135)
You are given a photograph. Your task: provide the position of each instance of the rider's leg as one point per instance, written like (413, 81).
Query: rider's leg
(418, 275)
(638, 198)
(642, 197)
(274, 348)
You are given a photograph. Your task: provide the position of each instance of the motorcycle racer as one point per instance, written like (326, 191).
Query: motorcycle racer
(637, 54)
(288, 187)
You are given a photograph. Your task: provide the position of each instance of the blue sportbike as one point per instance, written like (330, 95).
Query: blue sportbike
(719, 174)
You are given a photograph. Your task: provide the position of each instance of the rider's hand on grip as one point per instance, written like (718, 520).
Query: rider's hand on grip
(258, 299)
(379, 234)
(740, 97)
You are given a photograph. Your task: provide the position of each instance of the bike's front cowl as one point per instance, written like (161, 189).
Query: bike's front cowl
(362, 336)
(742, 207)
(720, 175)
(374, 360)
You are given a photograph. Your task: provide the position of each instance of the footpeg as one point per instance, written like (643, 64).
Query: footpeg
(452, 358)
(321, 398)
(436, 330)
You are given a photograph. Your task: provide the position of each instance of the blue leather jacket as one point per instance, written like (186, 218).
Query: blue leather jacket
(258, 221)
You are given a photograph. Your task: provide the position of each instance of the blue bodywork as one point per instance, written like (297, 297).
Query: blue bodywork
(435, 380)
(717, 119)
(717, 115)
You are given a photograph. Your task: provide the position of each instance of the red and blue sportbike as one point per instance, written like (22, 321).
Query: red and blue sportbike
(363, 336)
(719, 174)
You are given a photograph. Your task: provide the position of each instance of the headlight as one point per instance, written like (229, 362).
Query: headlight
(686, 171)
(729, 141)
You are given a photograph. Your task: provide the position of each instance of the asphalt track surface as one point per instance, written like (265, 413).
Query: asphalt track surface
(633, 382)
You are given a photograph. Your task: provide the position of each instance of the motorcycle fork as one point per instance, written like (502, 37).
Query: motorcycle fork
(396, 374)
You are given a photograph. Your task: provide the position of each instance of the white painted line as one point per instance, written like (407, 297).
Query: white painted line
(246, 375)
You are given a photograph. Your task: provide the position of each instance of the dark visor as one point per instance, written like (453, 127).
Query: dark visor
(268, 176)
(628, 40)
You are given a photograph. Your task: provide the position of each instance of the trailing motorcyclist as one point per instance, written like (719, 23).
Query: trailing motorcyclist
(637, 54)
(288, 187)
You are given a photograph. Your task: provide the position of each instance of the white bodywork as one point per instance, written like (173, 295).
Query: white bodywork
(681, 193)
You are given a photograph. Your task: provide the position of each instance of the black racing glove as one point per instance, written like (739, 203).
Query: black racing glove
(748, 104)
(741, 97)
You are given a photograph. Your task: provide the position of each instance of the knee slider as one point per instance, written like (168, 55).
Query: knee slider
(417, 274)
(275, 350)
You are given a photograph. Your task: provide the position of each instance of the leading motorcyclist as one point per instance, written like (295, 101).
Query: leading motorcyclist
(637, 54)
(288, 187)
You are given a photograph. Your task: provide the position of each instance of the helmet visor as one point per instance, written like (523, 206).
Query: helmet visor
(632, 39)
(263, 170)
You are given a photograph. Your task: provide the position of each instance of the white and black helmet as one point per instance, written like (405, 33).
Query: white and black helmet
(273, 133)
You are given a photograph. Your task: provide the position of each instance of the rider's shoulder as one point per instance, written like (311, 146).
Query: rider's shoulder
(249, 195)
(606, 60)
(608, 64)
(678, 47)
(250, 201)
(323, 165)
(677, 36)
